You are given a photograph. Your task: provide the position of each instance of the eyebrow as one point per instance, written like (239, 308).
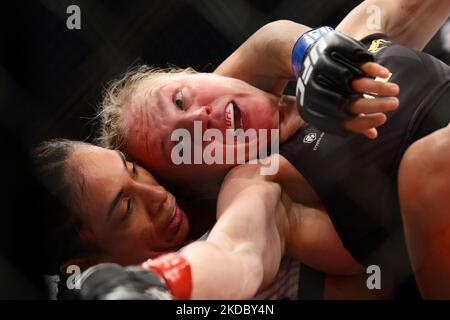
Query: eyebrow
(122, 157)
(116, 199)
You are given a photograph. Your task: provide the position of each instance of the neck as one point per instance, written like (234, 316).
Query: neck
(290, 119)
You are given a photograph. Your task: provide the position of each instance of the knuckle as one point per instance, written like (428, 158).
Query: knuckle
(371, 67)
(387, 105)
(380, 86)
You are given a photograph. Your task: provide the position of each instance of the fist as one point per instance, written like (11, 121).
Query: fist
(324, 90)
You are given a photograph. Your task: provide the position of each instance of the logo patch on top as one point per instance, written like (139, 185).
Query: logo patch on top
(378, 44)
(310, 137)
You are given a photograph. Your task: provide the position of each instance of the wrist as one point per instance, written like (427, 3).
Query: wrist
(303, 44)
(175, 272)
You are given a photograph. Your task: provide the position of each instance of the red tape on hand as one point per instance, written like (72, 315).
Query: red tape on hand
(175, 272)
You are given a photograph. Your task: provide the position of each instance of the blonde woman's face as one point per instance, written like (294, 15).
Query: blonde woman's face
(160, 107)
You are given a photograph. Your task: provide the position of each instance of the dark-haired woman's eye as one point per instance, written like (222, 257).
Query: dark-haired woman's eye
(178, 100)
(128, 210)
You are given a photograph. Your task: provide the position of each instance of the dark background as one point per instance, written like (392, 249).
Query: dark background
(51, 80)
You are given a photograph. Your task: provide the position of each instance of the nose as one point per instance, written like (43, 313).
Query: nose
(152, 197)
(200, 113)
(207, 109)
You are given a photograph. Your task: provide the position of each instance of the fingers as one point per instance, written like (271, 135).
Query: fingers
(367, 85)
(371, 111)
(370, 133)
(366, 124)
(370, 115)
(374, 70)
(364, 105)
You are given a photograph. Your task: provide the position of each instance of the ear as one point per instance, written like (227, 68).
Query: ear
(82, 263)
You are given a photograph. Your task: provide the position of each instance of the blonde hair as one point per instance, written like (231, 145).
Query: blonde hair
(119, 93)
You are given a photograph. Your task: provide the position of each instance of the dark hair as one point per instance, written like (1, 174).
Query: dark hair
(64, 183)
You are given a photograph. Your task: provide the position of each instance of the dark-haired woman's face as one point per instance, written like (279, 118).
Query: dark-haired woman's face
(128, 214)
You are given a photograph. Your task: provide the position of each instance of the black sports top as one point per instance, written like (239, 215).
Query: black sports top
(356, 177)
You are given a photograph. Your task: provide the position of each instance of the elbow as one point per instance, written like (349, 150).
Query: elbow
(253, 269)
(244, 281)
(278, 24)
(218, 274)
(281, 26)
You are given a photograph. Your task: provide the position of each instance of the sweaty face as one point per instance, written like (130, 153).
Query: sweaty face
(130, 215)
(160, 106)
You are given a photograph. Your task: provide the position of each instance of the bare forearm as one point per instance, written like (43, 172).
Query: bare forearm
(409, 22)
(264, 60)
(418, 22)
(244, 249)
(218, 273)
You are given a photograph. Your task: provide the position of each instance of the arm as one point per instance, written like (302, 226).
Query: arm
(409, 22)
(264, 59)
(244, 249)
(241, 254)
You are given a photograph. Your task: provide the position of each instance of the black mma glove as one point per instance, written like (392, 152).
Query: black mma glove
(325, 62)
(109, 281)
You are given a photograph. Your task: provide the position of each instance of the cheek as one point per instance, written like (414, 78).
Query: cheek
(263, 115)
(140, 235)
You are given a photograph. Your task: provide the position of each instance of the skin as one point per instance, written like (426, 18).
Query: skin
(424, 172)
(260, 276)
(161, 106)
(423, 189)
(142, 224)
(232, 258)
(411, 23)
(254, 63)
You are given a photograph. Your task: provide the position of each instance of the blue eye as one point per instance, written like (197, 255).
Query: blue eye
(178, 100)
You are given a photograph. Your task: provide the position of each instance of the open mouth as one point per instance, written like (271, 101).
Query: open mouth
(233, 117)
(176, 218)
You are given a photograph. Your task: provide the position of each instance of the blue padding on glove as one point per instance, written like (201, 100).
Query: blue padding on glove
(303, 44)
